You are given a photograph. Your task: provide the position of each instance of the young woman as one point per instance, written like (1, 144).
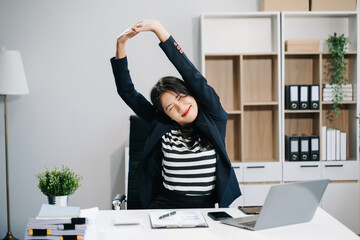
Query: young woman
(184, 164)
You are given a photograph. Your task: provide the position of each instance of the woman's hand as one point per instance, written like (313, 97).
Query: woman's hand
(142, 26)
(147, 25)
(126, 35)
(153, 26)
(121, 40)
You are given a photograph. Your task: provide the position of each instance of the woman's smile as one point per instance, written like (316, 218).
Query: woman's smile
(186, 112)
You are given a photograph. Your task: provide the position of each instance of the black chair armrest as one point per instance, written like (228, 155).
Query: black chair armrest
(118, 201)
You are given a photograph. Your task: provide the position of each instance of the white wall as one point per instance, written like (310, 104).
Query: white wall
(73, 114)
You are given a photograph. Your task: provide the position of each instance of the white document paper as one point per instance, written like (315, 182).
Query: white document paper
(338, 145)
(182, 219)
(343, 146)
(328, 144)
(323, 143)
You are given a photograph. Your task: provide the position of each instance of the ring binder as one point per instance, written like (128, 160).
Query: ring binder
(314, 148)
(304, 147)
(314, 97)
(291, 97)
(292, 148)
(304, 97)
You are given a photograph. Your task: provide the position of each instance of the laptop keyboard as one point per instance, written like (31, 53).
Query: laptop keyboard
(249, 224)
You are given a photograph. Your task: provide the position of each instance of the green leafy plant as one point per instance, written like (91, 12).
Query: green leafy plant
(57, 182)
(337, 45)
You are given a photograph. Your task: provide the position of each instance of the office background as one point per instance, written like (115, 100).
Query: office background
(73, 114)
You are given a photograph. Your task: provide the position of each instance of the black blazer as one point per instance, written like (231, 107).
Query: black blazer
(211, 122)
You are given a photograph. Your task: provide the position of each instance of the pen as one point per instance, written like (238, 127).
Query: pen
(167, 215)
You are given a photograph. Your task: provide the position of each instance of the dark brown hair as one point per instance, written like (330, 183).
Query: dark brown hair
(177, 86)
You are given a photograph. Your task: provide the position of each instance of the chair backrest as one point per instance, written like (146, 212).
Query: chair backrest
(139, 131)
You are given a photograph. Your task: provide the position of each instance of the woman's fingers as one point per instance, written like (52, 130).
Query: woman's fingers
(127, 34)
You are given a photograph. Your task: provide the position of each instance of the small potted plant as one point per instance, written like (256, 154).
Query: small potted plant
(337, 45)
(58, 184)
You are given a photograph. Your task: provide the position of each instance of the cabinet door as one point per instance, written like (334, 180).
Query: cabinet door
(340, 170)
(302, 171)
(341, 200)
(262, 172)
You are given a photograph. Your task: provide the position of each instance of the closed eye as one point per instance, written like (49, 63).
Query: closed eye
(169, 107)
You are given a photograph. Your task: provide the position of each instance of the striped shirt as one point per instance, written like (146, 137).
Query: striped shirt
(187, 170)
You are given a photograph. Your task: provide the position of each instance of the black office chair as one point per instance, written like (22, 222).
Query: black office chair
(139, 131)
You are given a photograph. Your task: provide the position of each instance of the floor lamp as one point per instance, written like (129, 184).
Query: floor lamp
(12, 82)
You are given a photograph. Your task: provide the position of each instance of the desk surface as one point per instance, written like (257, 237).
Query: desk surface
(322, 226)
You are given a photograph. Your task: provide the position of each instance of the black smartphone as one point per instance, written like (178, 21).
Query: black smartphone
(252, 210)
(219, 215)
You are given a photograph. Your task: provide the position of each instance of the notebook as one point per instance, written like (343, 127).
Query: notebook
(285, 204)
(182, 219)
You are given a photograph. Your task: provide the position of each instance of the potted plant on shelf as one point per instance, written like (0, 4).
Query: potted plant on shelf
(337, 45)
(57, 184)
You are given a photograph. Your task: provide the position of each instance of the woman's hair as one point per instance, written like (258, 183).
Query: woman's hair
(169, 83)
(177, 86)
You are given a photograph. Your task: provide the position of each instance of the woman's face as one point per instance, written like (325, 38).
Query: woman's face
(179, 107)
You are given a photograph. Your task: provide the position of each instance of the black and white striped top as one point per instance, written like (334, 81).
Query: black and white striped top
(187, 170)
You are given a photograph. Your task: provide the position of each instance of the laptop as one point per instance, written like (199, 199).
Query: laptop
(285, 204)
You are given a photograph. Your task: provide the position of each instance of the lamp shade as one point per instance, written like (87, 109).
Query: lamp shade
(12, 74)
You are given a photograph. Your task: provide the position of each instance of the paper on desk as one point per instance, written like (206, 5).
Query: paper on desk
(126, 220)
(181, 219)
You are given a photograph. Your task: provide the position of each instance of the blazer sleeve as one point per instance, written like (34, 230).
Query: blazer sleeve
(197, 84)
(125, 88)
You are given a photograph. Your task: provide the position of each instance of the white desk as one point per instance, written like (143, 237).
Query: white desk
(323, 226)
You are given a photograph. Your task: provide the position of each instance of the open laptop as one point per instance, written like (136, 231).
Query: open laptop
(285, 204)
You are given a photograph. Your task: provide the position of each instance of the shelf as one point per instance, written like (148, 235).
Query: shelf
(265, 160)
(260, 103)
(301, 53)
(215, 54)
(302, 69)
(316, 53)
(302, 111)
(223, 74)
(233, 137)
(259, 85)
(319, 14)
(344, 103)
(302, 123)
(347, 53)
(233, 112)
(224, 33)
(261, 133)
(346, 122)
(350, 66)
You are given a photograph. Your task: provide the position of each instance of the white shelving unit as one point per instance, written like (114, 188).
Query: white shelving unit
(342, 197)
(231, 61)
(244, 59)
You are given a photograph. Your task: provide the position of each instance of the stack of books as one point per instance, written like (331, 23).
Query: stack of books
(334, 144)
(57, 222)
(328, 92)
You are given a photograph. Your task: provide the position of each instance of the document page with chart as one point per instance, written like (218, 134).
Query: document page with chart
(178, 219)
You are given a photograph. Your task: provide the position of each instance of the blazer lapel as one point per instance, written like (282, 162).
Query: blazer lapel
(209, 130)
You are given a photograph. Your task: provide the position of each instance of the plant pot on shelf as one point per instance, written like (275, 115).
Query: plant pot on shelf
(58, 200)
(57, 184)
